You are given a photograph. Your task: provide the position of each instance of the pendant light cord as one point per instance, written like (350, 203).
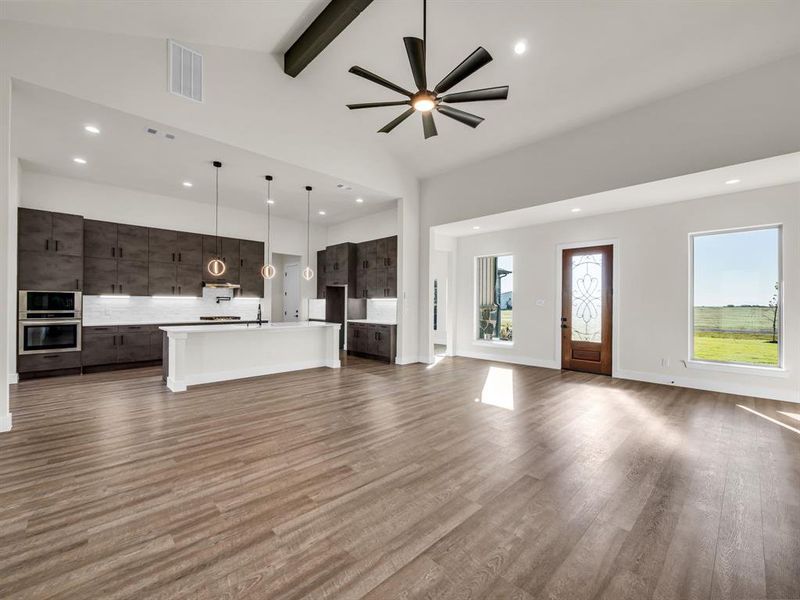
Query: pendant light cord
(216, 208)
(308, 227)
(269, 219)
(424, 29)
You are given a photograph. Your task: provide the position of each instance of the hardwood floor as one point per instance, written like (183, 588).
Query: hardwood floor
(381, 481)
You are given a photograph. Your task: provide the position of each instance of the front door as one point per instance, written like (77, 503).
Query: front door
(586, 309)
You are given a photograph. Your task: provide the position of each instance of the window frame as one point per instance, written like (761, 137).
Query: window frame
(729, 366)
(475, 305)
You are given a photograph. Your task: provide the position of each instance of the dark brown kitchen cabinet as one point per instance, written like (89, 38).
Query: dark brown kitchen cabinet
(376, 273)
(251, 259)
(114, 276)
(133, 243)
(132, 278)
(49, 271)
(372, 340)
(156, 344)
(190, 248)
(109, 345)
(391, 282)
(44, 231)
(228, 250)
(133, 344)
(322, 268)
(163, 278)
(99, 239)
(387, 252)
(163, 246)
(115, 240)
(50, 250)
(33, 363)
(99, 276)
(99, 346)
(367, 255)
(190, 279)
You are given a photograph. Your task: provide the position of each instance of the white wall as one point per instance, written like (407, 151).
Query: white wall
(370, 227)
(745, 117)
(122, 205)
(652, 254)
(7, 207)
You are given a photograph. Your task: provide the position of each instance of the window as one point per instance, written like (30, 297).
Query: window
(736, 293)
(495, 288)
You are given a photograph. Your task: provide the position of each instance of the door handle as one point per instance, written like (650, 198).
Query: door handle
(179, 257)
(47, 244)
(120, 251)
(56, 245)
(112, 288)
(173, 257)
(113, 251)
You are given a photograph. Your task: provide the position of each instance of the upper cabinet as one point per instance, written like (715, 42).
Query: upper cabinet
(251, 259)
(376, 276)
(50, 249)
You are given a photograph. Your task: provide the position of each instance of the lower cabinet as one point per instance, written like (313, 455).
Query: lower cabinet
(372, 340)
(33, 363)
(120, 344)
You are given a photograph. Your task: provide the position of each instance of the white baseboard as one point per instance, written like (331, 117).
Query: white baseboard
(5, 422)
(723, 387)
(13, 378)
(407, 360)
(528, 361)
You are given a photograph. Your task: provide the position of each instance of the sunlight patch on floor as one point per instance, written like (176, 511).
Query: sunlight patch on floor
(498, 389)
(770, 419)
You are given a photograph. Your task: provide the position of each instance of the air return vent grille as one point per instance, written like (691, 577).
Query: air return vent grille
(185, 71)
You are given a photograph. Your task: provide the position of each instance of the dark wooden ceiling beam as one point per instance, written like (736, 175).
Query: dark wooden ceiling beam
(333, 19)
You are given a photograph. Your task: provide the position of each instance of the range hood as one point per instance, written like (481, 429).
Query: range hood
(222, 284)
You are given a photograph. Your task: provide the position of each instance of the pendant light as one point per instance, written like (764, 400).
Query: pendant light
(308, 272)
(216, 266)
(268, 270)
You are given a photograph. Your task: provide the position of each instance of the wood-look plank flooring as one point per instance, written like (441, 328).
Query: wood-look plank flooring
(466, 479)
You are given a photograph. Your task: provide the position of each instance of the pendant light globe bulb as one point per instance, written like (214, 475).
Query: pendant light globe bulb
(216, 267)
(308, 273)
(268, 271)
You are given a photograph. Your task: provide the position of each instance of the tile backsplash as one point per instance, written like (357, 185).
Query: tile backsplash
(382, 309)
(99, 310)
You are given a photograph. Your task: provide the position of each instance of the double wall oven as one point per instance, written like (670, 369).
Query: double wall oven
(49, 322)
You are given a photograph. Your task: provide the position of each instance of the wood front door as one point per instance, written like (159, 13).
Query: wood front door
(587, 298)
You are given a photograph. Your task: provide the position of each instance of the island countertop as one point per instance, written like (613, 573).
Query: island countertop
(264, 327)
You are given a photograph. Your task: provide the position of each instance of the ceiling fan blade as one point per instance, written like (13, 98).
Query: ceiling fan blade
(470, 64)
(460, 116)
(394, 123)
(377, 104)
(492, 93)
(415, 48)
(428, 125)
(379, 80)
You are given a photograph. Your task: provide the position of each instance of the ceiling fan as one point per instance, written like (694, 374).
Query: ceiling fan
(425, 101)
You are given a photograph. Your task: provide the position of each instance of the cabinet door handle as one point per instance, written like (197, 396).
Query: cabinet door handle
(241, 262)
(120, 251)
(112, 288)
(56, 245)
(50, 356)
(113, 251)
(179, 290)
(120, 288)
(47, 244)
(122, 340)
(179, 257)
(173, 257)
(114, 339)
(173, 290)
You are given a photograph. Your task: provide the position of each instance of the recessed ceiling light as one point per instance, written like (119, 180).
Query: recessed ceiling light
(322, 212)
(92, 129)
(187, 184)
(360, 200)
(732, 181)
(270, 201)
(575, 210)
(476, 226)
(520, 47)
(79, 160)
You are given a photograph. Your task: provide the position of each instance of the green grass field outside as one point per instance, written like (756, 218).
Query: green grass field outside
(737, 334)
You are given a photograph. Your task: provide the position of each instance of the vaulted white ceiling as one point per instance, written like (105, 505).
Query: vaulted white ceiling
(586, 58)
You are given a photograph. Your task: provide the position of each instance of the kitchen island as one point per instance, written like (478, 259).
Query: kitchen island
(200, 354)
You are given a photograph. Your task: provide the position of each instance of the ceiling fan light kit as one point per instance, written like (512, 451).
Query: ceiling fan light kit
(425, 101)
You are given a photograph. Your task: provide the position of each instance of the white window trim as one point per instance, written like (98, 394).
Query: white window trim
(733, 367)
(475, 340)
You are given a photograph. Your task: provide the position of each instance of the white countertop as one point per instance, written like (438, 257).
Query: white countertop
(371, 321)
(229, 327)
(89, 323)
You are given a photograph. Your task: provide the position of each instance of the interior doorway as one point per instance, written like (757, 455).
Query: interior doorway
(285, 288)
(587, 309)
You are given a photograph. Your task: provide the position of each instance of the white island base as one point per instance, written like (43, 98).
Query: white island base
(207, 353)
